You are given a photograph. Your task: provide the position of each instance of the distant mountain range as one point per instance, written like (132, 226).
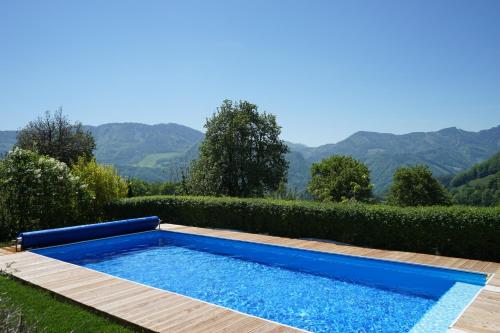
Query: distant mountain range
(155, 152)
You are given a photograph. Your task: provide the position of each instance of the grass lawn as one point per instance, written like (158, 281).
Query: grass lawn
(5, 243)
(48, 313)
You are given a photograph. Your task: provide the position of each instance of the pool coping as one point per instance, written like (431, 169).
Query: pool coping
(171, 312)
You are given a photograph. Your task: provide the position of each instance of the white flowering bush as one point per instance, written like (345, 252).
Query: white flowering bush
(39, 192)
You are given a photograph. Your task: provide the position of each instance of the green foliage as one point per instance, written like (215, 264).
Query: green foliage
(55, 136)
(40, 311)
(415, 186)
(480, 170)
(284, 193)
(241, 154)
(137, 187)
(340, 178)
(102, 182)
(39, 192)
(479, 192)
(467, 232)
(479, 185)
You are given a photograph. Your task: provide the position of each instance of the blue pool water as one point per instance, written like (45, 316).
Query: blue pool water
(305, 289)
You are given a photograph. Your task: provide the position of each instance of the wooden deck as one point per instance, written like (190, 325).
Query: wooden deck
(161, 311)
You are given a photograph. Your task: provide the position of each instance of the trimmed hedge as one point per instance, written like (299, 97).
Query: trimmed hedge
(466, 232)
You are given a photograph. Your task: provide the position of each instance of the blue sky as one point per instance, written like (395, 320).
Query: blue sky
(326, 68)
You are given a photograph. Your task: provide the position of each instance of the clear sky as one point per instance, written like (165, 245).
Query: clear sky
(326, 68)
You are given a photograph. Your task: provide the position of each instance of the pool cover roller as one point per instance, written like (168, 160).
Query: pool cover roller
(80, 233)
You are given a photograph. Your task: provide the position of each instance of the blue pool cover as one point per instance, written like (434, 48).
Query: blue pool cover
(80, 233)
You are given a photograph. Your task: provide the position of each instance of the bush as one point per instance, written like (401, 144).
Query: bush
(39, 192)
(103, 182)
(452, 231)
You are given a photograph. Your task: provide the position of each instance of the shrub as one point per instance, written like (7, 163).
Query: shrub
(39, 192)
(103, 182)
(453, 231)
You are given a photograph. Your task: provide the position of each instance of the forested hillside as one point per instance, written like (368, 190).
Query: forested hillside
(479, 185)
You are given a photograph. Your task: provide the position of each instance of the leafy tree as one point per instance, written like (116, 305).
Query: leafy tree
(340, 178)
(415, 186)
(103, 182)
(39, 192)
(55, 136)
(241, 155)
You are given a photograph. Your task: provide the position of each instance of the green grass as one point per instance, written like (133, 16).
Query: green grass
(49, 314)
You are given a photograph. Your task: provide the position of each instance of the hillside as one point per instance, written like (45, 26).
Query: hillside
(479, 185)
(156, 152)
(142, 145)
(446, 152)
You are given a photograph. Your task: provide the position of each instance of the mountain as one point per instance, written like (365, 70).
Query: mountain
(143, 151)
(142, 145)
(479, 185)
(157, 152)
(446, 152)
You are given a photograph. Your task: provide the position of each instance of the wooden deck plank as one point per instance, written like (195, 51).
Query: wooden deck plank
(187, 313)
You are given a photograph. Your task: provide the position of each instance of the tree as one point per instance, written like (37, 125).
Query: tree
(340, 178)
(55, 136)
(39, 192)
(415, 186)
(241, 155)
(102, 181)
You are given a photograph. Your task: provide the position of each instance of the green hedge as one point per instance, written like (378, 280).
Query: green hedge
(466, 232)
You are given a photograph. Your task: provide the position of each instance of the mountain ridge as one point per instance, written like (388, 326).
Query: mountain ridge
(147, 151)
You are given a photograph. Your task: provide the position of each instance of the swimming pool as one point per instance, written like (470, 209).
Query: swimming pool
(314, 291)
